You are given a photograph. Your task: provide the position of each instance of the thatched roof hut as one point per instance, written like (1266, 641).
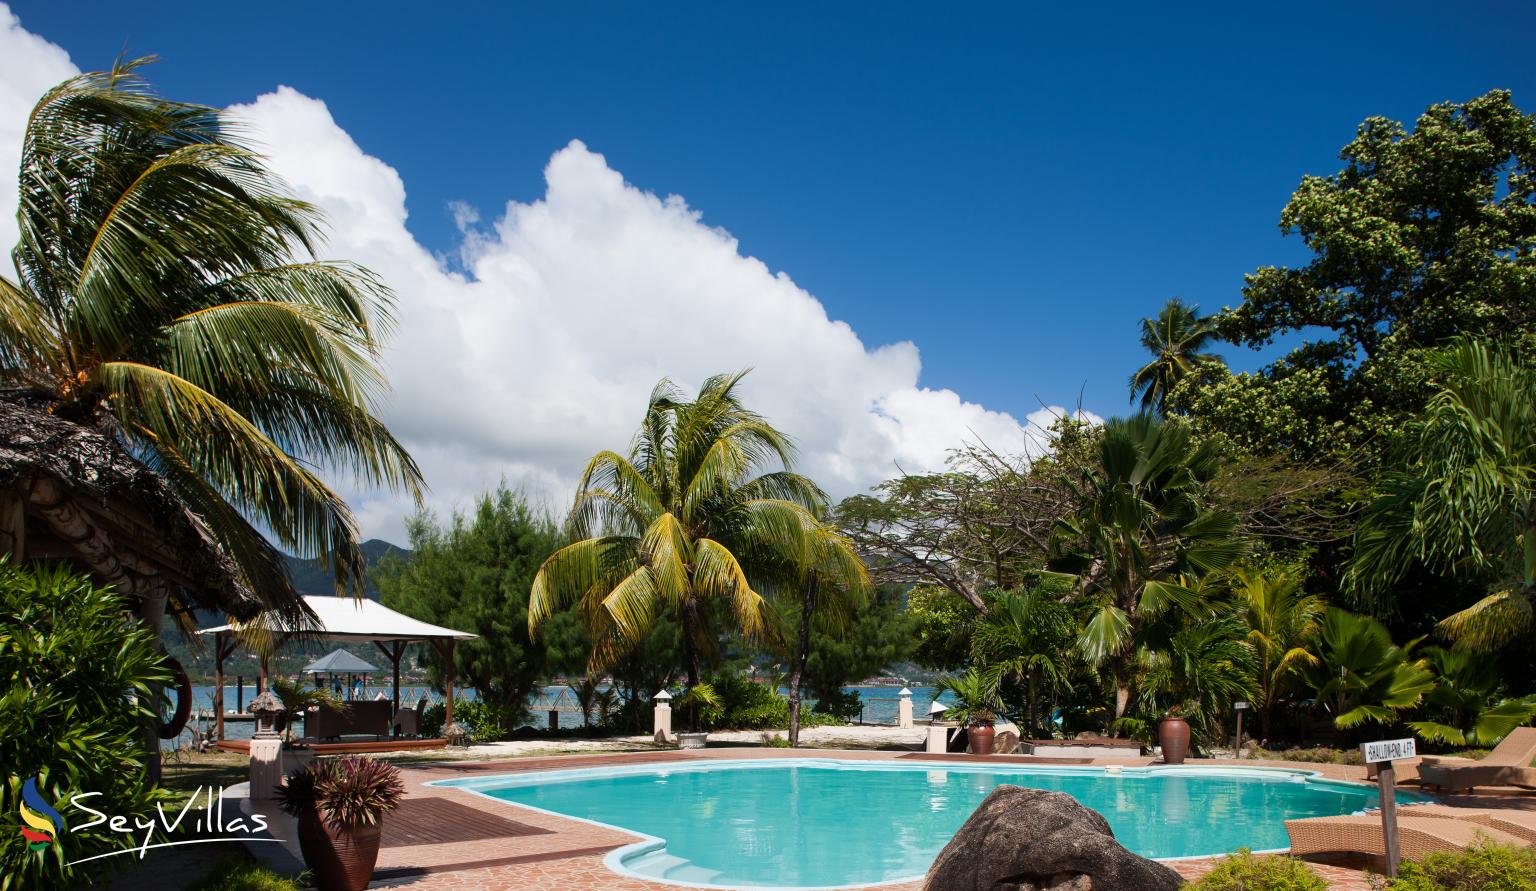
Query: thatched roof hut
(68, 492)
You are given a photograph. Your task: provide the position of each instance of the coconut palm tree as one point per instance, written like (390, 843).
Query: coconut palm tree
(1174, 339)
(685, 526)
(167, 294)
(1143, 540)
(1466, 503)
(1282, 628)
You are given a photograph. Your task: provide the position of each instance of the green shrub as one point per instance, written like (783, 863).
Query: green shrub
(487, 721)
(1244, 872)
(845, 705)
(69, 655)
(776, 742)
(1482, 867)
(240, 874)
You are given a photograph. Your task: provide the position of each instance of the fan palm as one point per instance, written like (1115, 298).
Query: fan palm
(1142, 540)
(1360, 675)
(1466, 700)
(1174, 339)
(1466, 504)
(1282, 623)
(684, 526)
(975, 697)
(159, 299)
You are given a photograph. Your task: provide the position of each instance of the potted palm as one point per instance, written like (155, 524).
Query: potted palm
(975, 708)
(340, 806)
(1173, 735)
(703, 705)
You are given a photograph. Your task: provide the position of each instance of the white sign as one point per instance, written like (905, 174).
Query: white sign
(1389, 750)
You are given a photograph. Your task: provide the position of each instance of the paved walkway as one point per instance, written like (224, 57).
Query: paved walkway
(446, 839)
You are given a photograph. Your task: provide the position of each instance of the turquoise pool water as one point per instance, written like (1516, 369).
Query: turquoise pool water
(821, 824)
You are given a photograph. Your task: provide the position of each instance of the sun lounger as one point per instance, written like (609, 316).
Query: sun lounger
(1418, 836)
(1509, 764)
(1520, 824)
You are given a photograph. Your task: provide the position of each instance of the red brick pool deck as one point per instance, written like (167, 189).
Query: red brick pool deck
(448, 839)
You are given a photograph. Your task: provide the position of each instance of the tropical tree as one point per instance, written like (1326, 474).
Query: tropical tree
(1283, 623)
(1175, 339)
(1467, 701)
(1027, 638)
(1143, 539)
(1201, 669)
(473, 572)
(1465, 504)
(167, 294)
(685, 525)
(1360, 675)
(834, 588)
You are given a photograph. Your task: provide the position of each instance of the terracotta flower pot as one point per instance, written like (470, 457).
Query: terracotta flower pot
(1173, 736)
(981, 737)
(341, 858)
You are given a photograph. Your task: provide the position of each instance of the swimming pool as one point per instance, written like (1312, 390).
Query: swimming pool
(815, 823)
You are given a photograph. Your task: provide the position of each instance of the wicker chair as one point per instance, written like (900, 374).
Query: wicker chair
(408, 720)
(1509, 764)
(1417, 836)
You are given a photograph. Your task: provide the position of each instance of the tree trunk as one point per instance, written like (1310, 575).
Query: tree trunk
(802, 653)
(691, 658)
(1031, 711)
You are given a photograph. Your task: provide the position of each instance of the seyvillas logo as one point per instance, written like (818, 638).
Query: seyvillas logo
(39, 815)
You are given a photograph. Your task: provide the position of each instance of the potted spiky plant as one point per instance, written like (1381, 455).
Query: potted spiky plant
(340, 806)
(975, 708)
(702, 704)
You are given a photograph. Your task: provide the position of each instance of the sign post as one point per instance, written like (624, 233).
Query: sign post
(1237, 748)
(1384, 753)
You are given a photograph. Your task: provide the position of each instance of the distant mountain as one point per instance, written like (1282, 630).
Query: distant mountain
(311, 577)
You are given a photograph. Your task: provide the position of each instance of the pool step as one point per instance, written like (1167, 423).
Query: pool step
(662, 865)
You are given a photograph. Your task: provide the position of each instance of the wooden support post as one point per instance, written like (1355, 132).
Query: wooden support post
(223, 648)
(448, 681)
(393, 652)
(1385, 780)
(240, 693)
(1237, 747)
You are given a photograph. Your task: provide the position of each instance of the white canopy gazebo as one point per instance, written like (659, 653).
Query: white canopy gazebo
(345, 619)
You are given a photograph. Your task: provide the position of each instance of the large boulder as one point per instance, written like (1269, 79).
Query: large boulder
(1030, 840)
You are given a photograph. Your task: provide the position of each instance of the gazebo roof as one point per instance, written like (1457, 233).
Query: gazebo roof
(346, 618)
(338, 662)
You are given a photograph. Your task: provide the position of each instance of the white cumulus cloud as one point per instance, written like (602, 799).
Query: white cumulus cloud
(573, 306)
(29, 65)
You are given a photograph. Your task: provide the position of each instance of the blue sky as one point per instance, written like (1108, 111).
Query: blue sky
(1009, 188)
(990, 199)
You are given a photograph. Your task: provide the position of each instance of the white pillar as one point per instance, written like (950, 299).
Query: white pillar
(662, 723)
(938, 738)
(904, 710)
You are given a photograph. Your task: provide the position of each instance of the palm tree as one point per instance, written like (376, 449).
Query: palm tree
(684, 524)
(159, 299)
(1360, 675)
(1201, 669)
(1283, 623)
(1027, 636)
(1466, 504)
(1174, 339)
(1467, 703)
(975, 696)
(834, 586)
(1142, 540)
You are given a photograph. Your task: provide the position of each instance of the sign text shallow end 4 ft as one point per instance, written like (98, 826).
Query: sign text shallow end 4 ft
(1388, 750)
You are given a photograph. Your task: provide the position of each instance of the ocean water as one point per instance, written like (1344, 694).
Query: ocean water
(880, 705)
(821, 824)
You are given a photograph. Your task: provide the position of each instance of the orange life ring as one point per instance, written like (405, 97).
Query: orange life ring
(172, 728)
